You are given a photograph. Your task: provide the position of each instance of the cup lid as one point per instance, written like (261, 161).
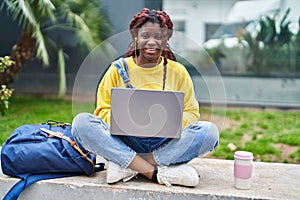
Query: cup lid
(243, 155)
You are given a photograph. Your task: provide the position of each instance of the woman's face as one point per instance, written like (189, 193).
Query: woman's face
(149, 43)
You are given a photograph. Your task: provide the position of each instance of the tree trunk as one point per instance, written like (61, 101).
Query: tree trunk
(21, 53)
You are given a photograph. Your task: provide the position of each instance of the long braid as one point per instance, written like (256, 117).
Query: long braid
(166, 23)
(165, 73)
(137, 21)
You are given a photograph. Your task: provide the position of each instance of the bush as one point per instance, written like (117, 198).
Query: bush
(5, 93)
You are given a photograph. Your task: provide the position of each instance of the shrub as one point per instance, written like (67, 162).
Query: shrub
(5, 93)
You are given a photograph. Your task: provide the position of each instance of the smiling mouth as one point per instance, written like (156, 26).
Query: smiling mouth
(151, 50)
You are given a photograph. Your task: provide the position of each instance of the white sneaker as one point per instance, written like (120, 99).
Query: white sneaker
(183, 174)
(115, 173)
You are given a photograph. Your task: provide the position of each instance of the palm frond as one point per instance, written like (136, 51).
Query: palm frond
(21, 11)
(63, 27)
(46, 7)
(83, 31)
(27, 12)
(37, 17)
(42, 52)
(6, 3)
(283, 20)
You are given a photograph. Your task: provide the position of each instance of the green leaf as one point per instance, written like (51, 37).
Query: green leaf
(83, 31)
(46, 7)
(42, 52)
(27, 11)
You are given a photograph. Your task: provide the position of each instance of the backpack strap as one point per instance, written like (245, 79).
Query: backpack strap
(120, 64)
(70, 141)
(29, 179)
(71, 147)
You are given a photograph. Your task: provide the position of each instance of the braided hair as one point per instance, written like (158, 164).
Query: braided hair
(166, 24)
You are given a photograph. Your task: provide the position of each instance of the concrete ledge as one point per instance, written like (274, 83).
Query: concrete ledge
(270, 181)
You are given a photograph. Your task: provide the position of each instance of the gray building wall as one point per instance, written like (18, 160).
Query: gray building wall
(121, 12)
(38, 80)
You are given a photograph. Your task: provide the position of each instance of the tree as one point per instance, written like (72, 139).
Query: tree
(269, 49)
(37, 17)
(296, 49)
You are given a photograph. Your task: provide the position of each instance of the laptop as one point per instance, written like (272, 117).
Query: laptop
(146, 113)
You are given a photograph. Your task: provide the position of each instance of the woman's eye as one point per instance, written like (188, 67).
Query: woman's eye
(145, 36)
(158, 37)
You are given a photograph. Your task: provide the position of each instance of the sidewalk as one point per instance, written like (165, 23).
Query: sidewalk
(270, 181)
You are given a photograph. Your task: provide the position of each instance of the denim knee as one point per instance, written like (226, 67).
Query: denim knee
(80, 118)
(93, 134)
(79, 125)
(213, 135)
(207, 131)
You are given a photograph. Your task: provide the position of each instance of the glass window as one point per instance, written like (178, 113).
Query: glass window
(179, 26)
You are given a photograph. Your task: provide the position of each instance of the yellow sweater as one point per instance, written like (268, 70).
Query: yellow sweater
(177, 79)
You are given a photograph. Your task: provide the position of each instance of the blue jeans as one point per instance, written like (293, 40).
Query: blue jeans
(196, 139)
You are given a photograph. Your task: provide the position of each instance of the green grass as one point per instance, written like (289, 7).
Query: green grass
(272, 135)
(32, 110)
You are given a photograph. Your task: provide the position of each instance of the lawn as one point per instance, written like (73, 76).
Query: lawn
(33, 110)
(272, 135)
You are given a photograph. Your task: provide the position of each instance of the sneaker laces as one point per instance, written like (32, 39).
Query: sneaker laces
(166, 177)
(116, 173)
(133, 174)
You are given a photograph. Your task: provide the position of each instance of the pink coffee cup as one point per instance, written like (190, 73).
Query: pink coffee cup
(242, 169)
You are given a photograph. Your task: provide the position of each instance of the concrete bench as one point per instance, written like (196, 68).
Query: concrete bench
(270, 181)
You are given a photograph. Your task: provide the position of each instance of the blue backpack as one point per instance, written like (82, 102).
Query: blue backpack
(44, 151)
